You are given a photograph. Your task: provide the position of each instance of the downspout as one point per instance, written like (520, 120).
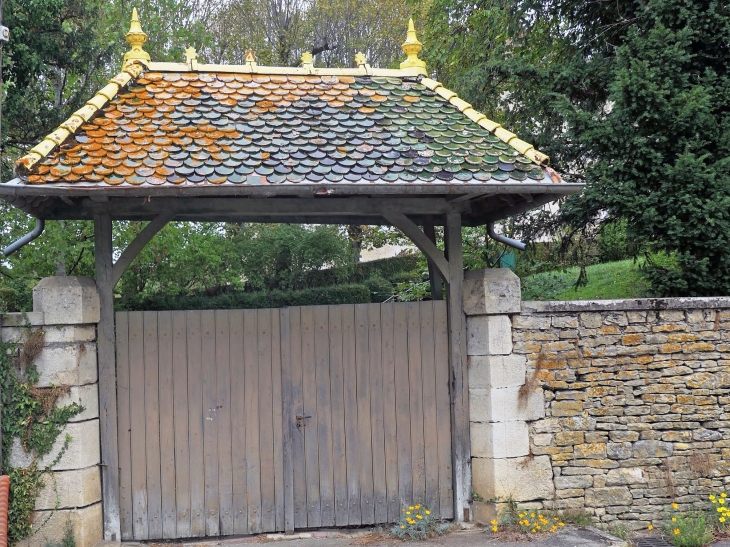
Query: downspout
(503, 239)
(40, 224)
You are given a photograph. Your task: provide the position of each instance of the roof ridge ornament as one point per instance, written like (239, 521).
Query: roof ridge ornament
(308, 61)
(136, 38)
(412, 47)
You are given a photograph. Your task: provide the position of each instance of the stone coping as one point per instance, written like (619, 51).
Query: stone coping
(628, 304)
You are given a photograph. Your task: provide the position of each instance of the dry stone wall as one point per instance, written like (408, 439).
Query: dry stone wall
(616, 407)
(637, 401)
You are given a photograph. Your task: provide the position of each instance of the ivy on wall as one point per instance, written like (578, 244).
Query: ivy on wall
(29, 413)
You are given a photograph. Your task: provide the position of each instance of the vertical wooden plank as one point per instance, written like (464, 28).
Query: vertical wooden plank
(389, 412)
(107, 376)
(223, 418)
(443, 409)
(430, 423)
(380, 507)
(180, 408)
(152, 425)
(137, 423)
(279, 489)
(196, 419)
(416, 400)
(266, 423)
(287, 418)
(337, 405)
(352, 440)
(238, 422)
(362, 364)
(253, 468)
(124, 428)
(402, 403)
(460, 443)
(309, 418)
(324, 415)
(210, 428)
(299, 468)
(167, 424)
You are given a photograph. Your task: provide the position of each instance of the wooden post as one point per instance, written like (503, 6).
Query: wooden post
(107, 377)
(460, 445)
(437, 292)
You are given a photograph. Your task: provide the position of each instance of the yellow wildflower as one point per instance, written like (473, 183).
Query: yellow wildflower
(714, 501)
(723, 495)
(408, 512)
(532, 514)
(722, 519)
(494, 522)
(676, 531)
(721, 500)
(418, 506)
(402, 525)
(411, 508)
(428, 512)
(522, 515)
(651, 527)
(674, 506)
(419, 517)
(494, 528)
(533, 530)
(561, 524)
(674, 519)
(537, 527)
(712, 497)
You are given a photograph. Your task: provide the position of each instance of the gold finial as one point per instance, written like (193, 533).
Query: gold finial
(307, 58)
(412, 47)
(360, 59)
(190, 54)
(136, 38)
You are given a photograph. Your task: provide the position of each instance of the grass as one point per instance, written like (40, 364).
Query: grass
(610, 280)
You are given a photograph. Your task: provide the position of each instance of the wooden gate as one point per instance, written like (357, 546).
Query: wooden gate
(249, 421)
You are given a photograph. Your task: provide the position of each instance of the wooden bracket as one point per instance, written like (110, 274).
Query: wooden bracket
(421, 240)
(138, 243)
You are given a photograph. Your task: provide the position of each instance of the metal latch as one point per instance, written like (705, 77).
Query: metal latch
(300, 421)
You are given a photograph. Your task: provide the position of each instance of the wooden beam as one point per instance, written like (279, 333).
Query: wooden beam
(107, 377)
(239, 205)
(437, 292)
(138, 243)
(460, 434)
(413, 232)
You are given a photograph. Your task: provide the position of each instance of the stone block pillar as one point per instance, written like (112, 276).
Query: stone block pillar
(67, 309)
(500, 405)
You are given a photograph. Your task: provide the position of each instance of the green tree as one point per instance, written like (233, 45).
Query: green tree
(279, 256)
(630, 97)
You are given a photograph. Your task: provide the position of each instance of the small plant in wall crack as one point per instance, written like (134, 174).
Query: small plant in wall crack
(29, 414)
(417, 523)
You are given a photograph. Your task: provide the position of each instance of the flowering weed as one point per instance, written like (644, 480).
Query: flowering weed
(416, 522)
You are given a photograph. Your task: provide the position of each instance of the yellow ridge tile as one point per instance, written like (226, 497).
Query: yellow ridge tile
(445, 93)
(109, 91)
(431, 84)
(461, 104)
(473, 115)
(502, 134)
(489, 125)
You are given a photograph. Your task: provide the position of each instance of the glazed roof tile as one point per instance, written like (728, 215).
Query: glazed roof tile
(151, 127)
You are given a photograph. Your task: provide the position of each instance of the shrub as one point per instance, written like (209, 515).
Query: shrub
(687, 529)
(417, 523)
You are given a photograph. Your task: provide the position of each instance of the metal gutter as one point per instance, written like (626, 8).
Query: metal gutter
(40, 225)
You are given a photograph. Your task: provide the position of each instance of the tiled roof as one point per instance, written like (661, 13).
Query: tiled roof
(168, 124)
(215, 128)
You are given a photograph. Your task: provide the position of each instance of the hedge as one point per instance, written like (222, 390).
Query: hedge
(339, 294)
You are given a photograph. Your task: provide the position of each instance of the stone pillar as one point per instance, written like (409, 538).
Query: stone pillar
(67, 309)
(500, 403)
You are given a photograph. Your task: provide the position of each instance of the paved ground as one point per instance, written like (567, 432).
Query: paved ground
(570, 537)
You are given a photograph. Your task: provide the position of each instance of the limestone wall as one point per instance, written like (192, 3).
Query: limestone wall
(618, 407)
(67, 310)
